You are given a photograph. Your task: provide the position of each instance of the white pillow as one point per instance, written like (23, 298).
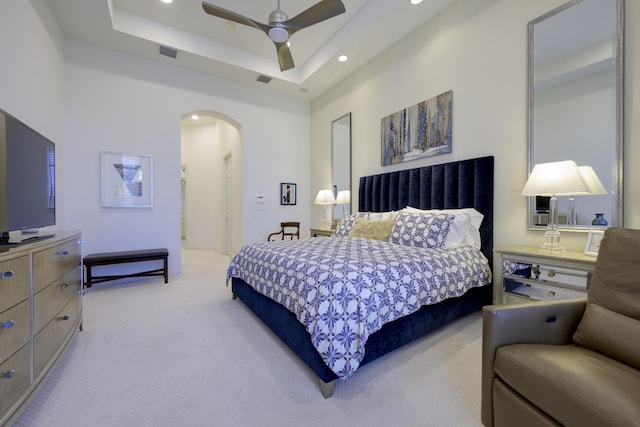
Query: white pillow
(381, 216)
(465, 229)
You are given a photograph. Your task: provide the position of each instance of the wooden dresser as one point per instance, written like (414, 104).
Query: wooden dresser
(40, 312)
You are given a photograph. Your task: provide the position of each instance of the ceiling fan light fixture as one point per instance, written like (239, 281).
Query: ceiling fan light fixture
(278, 34)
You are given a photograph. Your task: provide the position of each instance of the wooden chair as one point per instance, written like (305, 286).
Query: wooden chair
(289, 229)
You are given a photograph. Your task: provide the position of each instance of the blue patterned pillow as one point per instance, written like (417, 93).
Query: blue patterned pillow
(344, 227)
(421, 230)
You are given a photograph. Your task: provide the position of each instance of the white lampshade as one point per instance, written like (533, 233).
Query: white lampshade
(325, 197)
(555, 179)
(344, 197)
(592, 180)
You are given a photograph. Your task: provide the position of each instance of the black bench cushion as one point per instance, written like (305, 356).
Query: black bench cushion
(125, 255)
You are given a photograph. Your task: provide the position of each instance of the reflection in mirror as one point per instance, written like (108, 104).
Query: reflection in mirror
(341, 165)
(575, 106)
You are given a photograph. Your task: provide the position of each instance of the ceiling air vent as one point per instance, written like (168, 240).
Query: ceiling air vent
(263, 79)
(168, 51)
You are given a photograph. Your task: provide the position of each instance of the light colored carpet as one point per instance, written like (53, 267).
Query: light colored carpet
(186, 354)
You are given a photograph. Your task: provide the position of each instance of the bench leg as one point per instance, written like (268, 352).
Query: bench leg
(88, 281)
(166, 270)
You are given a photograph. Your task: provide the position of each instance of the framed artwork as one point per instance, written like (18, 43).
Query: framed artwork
(593, 242)
(422, 130)
(126, 180)
(287, 193)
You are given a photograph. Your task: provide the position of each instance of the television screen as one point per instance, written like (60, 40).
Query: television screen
(542, 204)
(27, 177)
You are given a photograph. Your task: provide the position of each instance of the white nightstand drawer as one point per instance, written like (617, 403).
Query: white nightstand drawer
(539, 292)
(579, 278)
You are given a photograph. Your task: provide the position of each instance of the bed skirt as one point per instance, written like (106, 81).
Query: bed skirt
(392, 335)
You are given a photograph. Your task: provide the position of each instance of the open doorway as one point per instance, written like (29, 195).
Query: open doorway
(211, 161)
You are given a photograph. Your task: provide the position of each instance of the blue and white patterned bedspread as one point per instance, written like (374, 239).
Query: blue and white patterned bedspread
(343, 289)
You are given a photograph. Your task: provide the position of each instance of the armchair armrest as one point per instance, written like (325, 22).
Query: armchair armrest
(540, 322)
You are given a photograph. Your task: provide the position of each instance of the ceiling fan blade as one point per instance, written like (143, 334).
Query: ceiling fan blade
(284, 56)
(319, 12)
(232, 16)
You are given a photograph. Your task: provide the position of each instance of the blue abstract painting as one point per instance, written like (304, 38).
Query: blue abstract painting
(422, 130)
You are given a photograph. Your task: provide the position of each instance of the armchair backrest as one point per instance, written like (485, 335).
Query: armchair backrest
(615, 284)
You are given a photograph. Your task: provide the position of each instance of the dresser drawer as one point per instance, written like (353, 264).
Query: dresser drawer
(14, 329)
(49, 339)
(49, 301)
(14, 378)
(14, 281)
(53, 263)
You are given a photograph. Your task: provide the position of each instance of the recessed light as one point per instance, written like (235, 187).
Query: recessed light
(167, 1)
(416, 1)
(193, 116)
(343, 58)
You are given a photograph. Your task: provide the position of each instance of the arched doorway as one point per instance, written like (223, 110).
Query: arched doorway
(211, 159)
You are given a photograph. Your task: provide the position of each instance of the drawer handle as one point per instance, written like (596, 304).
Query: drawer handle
(550, 319)
(63, 252)
(7, 324)
(552, 273)
(9, 374)
(6, 275)
(64, 285)
(551, 294)
(65, 317)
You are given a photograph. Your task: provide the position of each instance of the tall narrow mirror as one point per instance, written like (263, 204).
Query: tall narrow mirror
(575, 88)
(341, 165)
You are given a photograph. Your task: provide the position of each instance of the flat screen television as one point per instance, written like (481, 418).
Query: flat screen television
(27, 181)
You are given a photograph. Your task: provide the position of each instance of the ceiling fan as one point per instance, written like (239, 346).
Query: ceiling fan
(280, 27)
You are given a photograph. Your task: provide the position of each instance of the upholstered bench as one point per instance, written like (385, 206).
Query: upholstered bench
(109, 258)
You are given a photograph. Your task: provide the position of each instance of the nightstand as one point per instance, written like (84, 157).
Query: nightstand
(526, 273)
(325, 232)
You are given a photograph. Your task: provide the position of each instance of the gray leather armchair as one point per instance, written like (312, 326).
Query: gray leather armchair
(570, 362)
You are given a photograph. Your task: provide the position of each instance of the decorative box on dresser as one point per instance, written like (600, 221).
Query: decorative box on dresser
(526, 273)
(40, 312)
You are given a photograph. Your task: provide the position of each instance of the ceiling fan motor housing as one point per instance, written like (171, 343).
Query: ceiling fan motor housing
(278, 34)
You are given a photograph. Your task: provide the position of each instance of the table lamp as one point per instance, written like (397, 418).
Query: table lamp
(595, 187)
(555, 179)
(343, 198)
(325, 198)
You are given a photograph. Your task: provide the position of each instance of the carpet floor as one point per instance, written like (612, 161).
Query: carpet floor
(186, 354)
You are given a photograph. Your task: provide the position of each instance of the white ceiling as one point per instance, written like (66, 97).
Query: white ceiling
(239, 53)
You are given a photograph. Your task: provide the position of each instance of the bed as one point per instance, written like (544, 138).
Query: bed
(451, 186)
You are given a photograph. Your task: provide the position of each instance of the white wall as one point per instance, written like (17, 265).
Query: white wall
(478, 49)
(117, 102)
(31, 74)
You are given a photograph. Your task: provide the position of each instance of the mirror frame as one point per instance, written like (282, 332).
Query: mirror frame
(334, 152)
(617, 220)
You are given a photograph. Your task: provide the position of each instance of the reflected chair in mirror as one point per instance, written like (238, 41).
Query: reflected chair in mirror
(289, 229)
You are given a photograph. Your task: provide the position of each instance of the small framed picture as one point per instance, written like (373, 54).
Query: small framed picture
(287, 193)
(593, 242)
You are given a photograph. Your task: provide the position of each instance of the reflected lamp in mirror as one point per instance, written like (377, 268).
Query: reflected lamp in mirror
(555, 179)
(343, 198)
(595, 187)
(325, 198)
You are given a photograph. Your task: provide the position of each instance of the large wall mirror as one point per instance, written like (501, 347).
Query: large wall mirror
(341, 165)
(575, 88)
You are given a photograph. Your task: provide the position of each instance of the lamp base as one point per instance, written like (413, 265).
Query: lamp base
(552, 242)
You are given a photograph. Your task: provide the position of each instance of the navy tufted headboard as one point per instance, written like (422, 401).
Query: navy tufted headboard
(461, 184)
